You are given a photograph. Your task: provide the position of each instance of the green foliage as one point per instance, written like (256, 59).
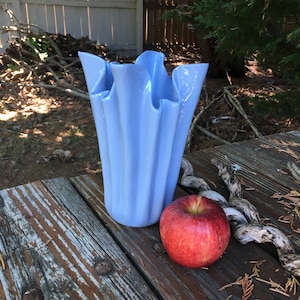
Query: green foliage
(39, 45)
(266, 29)
(13, 67)
(283, 105)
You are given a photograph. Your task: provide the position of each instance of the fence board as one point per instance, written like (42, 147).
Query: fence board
(160, 31)
(58, 14)
(74, 25)
(118, 23)
(111, 22)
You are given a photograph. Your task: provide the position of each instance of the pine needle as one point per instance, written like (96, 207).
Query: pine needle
(274, 286)
(2, 262)
(247, 287)
(291, 203)
(246, 283)
(292, 284)
(256, 266)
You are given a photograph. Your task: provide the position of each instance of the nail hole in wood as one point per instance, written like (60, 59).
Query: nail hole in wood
(103, 266)
(33, 294)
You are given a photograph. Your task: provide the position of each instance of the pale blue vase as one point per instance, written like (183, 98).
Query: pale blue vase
(142, 119)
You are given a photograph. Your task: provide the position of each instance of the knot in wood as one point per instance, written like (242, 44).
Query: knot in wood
(157, 246)
(103, 266)
(33, 294)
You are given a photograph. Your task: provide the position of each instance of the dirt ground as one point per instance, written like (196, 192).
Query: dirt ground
(46, 133)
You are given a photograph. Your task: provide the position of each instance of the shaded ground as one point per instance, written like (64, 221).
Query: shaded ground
(47, 133)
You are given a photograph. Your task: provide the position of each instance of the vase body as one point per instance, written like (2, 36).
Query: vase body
(142, 118)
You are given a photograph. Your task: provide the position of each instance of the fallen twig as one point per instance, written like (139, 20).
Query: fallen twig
(66, 88)
(27, 56)
(195, 121)
(241, 110)
(208, 133)
(229, 97)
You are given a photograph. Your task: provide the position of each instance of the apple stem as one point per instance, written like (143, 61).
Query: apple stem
(245, 219)
(196, 208)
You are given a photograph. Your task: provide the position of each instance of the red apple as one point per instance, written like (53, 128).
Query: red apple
(194, 231)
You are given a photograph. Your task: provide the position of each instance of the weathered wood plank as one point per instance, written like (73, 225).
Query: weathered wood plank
(172, 281)
(264, 158)
(263, 171)
(147, 249)
(50, 240)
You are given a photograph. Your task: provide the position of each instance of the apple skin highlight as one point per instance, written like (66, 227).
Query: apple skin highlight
(194, 231)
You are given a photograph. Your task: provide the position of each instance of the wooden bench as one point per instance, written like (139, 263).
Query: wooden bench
(58, 242)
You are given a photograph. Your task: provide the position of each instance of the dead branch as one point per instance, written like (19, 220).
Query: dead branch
(211, 135)
(195, 120)
(226, 95)
(40, 59)
(241, 110)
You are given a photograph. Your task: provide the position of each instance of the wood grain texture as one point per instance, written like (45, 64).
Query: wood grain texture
(172, 281)
(108, 22)
(57, 240)
(51, 240)
(263, 171)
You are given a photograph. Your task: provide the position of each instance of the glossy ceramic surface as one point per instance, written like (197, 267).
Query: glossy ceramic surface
(142, 118)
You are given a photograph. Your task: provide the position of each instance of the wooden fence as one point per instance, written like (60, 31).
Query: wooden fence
(159, 31)
(117, 23)
(126, 26)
